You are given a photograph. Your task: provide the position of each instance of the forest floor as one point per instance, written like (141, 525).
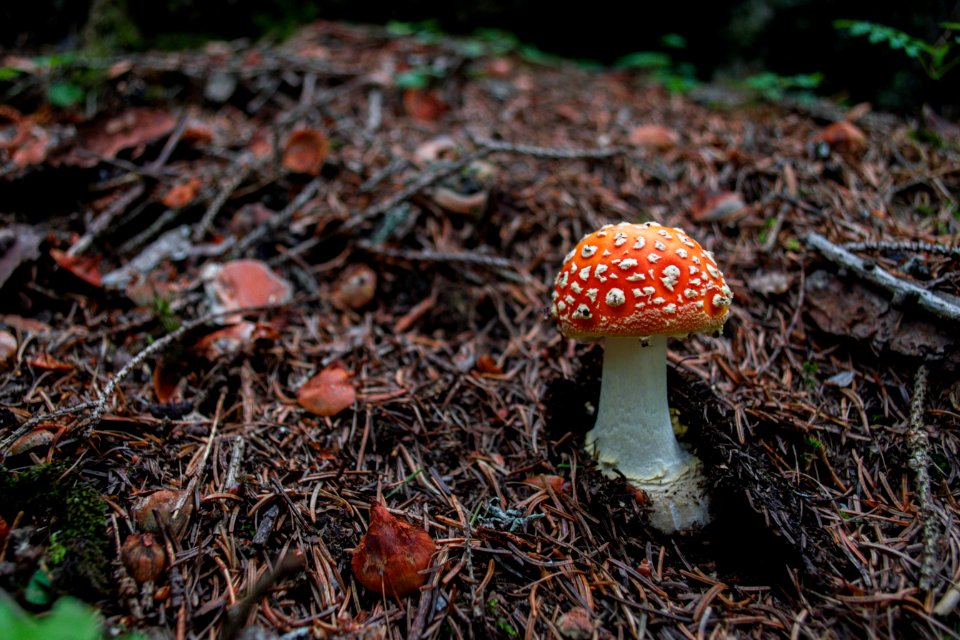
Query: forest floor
(414, 233)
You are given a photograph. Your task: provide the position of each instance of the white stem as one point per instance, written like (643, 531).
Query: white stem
(634, 433)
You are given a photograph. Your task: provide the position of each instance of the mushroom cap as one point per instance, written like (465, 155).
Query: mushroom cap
(639, 280)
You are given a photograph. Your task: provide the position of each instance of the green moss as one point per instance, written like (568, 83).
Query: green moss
(74, 514)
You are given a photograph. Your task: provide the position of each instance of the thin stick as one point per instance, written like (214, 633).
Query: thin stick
(912, 246)
(99, 405)
(901, 289)
(240, 169)
(423, 181)
(918, 443)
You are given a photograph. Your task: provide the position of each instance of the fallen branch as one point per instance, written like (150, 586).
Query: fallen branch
(901, 289)
(918, 443)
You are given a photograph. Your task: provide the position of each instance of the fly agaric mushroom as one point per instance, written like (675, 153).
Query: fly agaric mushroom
(634, 285)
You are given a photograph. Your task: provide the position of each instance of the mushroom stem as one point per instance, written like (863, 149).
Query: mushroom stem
(634, 434)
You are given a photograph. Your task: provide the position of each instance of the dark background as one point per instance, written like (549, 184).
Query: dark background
(723, 38)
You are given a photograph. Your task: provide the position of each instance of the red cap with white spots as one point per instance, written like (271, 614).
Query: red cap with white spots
(639, 280)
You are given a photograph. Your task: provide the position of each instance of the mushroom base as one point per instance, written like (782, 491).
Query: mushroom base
(633, 435)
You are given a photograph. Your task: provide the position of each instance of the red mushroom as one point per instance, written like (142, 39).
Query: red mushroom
(634, 285)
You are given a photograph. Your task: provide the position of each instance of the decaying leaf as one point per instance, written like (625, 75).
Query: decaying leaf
(84, 267)
(305, 151)
(244, 283)
(327, 393)
(182, 194)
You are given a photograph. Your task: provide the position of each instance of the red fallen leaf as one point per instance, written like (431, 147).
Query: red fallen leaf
(486, 364)
(182, 194)
(423, 105)
(48, 363)
(716, 205)
(134, 127)
(245, 283)
(653, 136)
(305, 151)
(165, 382)
(84, 267)
(842, 135)
(393, 555)
(327, 393)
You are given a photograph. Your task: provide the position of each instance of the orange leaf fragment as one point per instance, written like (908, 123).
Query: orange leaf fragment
(305, 151)
(180, 195)
(423, 105)
(327, 393)
(393, 555)
(48, 363)
(559, 484)
(653, 136)
(85, 268)
(842, 135)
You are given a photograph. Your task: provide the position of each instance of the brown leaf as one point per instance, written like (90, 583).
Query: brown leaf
(709, 206)
(393, 556)
(305, 151)
(134, 127)
(423, 105)
(653, 136)
(327, 393)
(843, 135)
(166, 380)
(84, 267)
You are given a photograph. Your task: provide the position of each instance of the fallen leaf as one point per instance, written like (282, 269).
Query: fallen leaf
(134, 127)
(327, 393)
(84, 267)
(48, 363)
(244, 283)
(423, 105)
(653, 136)
(305, 151)
(180, 195)
(843, 135)
(710, 206)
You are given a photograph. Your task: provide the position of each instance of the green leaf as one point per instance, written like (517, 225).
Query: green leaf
(39, 588)
(673, 41)
(418, 78)
(8, 73)
(644, 60)
(65, 94)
